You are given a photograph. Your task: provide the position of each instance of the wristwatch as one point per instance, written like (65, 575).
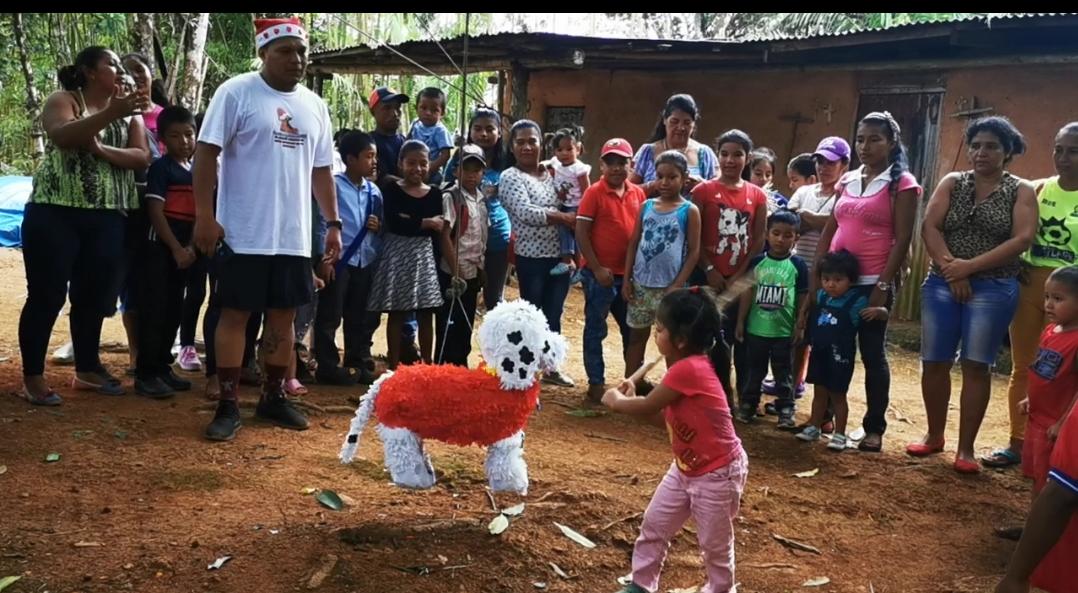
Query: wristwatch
(884, 286)
(337, 224)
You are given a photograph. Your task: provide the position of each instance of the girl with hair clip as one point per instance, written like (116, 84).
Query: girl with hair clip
(760, 171)
(710, 468)
(570, 180)
(873, 219)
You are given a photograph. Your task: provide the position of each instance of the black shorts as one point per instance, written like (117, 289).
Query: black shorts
(259, 282)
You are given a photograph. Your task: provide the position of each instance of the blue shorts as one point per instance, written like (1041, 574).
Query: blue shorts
(979, 324)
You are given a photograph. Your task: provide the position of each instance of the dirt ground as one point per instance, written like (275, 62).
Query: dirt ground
(140, 502)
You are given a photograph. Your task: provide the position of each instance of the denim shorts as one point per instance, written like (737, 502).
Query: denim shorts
(979, 325)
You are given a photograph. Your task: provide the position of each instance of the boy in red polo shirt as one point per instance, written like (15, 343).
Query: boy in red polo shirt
(1049, 545)
(604, 224)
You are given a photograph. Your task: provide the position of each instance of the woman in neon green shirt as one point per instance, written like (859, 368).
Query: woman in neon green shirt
(1055, 245)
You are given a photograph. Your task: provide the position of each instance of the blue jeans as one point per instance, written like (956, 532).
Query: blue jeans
(541, 289)
(598, 303)
(978, 324)
(566, 236)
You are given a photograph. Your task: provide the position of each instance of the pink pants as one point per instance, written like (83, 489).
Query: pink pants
(713, 500)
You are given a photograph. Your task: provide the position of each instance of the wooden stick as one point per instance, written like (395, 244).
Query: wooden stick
(604, 437)
(789, 543)
(490, 496)
(621, 520)
(643, 370)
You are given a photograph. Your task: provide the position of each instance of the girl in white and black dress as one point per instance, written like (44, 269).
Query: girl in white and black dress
(406, 280)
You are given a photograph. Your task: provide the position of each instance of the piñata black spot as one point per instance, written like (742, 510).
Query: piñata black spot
(352, 438)
(546, 347)
(523, 372)
(508, 365)
(526, 355)
(515, 337)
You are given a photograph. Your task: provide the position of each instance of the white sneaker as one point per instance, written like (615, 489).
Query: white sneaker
(838, 442)
(189, 360)
(64, 354)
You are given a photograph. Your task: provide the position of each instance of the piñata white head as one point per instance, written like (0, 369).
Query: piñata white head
(517, 343)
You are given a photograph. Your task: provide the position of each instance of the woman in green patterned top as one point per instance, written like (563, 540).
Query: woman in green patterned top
(73, 230)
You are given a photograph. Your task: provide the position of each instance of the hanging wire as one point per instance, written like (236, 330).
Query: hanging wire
(439, 44)
(428, 71)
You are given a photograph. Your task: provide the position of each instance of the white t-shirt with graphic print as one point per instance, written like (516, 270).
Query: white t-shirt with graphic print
(270, 143)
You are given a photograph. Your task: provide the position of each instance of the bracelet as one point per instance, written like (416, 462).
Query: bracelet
(337, 224)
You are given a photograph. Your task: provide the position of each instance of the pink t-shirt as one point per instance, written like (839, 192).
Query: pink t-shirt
(865, 220)
(700, 425)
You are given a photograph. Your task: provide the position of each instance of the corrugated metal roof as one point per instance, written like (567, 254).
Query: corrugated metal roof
(985, 18)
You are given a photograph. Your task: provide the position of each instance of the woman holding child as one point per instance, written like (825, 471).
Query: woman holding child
(527, 190)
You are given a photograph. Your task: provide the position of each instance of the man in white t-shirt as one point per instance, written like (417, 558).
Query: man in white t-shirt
(274, 141)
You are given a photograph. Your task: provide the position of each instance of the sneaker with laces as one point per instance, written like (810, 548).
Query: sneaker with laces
(278, 410)
(226, 422)
(557, 378)
(64, 354)
(809, 434)
(786, 420)
(838, 442)
(746, 413)
(176, 382)
(189, 360)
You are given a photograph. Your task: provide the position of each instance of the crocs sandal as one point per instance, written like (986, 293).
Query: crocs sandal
(49, 399)
(294, 388)
(1001, 458)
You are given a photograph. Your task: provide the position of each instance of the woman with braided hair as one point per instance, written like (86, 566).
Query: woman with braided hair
(873, 219)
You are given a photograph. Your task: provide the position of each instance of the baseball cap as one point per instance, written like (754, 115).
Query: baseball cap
(618, 146)
(471, 151)
(384, 93)
(833, 149)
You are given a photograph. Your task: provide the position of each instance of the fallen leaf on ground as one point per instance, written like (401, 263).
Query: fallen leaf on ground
(308, 490)
(329, 499)
(85, 544)
(558, 571)
(807, 474)
(695, 589)
(576, 537)
(816, 582)
(849, 474)
(52, 458)
(8, 581)
(3, 469)
(539, 585)
(320, 575)
(582, 413)
(514, 511)
(217, 564)
(498, 525)
(625, 580)
(348, 500)
(769, 565)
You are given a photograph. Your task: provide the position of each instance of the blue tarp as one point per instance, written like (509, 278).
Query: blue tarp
(14, 191)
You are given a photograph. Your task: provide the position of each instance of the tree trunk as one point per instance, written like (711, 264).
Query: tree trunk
(144, 34)
(33, 102)
(181, 50)
(193, 71)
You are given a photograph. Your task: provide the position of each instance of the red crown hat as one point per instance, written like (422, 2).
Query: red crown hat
(267, 30)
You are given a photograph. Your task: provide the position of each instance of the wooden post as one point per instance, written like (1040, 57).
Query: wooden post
(520, 91)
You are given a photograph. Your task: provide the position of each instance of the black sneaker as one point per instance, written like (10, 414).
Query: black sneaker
(280, 411)
(225, 422)
(334, 376)
(746, 413)
(153, 388)
(786, 420)
(176, 382)
(365, 376)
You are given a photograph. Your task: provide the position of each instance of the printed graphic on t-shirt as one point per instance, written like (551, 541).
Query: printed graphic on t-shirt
(1047, 364)
(687, 459)
(658, 236)
(1055, 235)
(288, 136)
(733, 233)
(770, 297)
